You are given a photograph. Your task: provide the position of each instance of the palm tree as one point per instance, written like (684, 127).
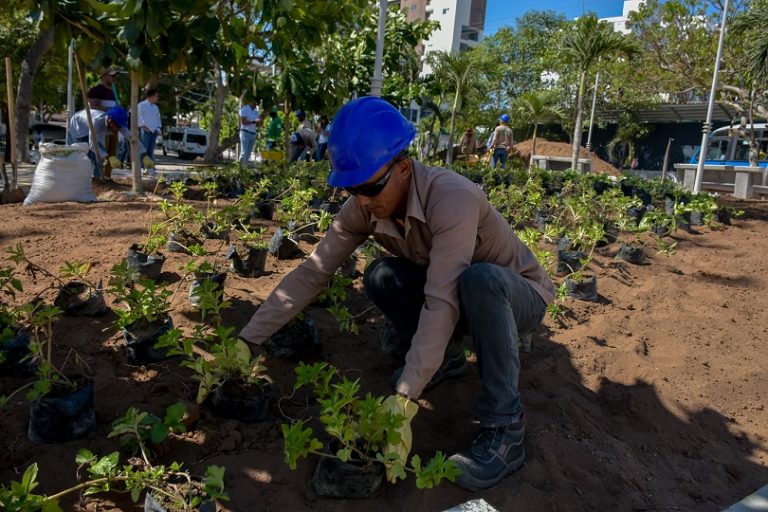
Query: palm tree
(456, 70)
(537, 107)
(583, 45)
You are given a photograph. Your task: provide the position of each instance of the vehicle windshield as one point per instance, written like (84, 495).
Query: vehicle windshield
(196, 139)
(718, 150)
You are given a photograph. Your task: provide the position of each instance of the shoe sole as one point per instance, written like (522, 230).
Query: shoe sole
(476, 485)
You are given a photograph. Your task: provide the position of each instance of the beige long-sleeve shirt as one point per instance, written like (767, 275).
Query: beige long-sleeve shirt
(449, 225)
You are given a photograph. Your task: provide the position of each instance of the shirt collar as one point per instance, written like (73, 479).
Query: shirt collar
(413, 210)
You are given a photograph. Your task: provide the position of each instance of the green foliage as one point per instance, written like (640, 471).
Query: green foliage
(336, 294)
(144, 301)
(135, 428)
(361, 425)
(231, 362)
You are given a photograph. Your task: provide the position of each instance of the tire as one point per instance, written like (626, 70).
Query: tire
(182, 155)
(165, 152)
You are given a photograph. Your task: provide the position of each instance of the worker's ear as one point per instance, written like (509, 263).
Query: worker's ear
(405, 168)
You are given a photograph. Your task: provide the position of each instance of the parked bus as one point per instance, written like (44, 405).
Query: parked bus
(727, 147)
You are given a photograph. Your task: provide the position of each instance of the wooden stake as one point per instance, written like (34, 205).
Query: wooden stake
(11, 120)
(87, 106)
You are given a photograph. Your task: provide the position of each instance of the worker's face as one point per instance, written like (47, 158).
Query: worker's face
(112, 126)
(108, 79)
(385, 203)
(153, 98)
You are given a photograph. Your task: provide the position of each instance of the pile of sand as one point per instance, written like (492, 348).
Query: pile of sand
(549, 148)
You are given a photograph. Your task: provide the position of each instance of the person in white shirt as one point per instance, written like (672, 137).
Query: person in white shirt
(249, 123)
(150, 124)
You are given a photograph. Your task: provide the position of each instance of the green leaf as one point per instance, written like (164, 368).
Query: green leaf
(84, 456)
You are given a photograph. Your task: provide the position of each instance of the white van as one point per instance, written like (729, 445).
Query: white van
(186, 142)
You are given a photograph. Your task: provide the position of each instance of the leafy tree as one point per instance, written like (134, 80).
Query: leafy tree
(582, 46)
(521, 54)
(537, 107)
(455, 70)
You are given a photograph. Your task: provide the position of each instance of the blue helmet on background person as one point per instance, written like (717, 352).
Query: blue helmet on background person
(118, 115)
(367, 133)
(504, 118)
(301, 114)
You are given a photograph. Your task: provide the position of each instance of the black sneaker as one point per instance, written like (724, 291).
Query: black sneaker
(450, 369)
(494, 454)
(392, 343)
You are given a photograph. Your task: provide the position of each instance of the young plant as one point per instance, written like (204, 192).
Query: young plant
(231, 361)
(336, 294)
(137, 428)
(172, 484)
(361, 426)
(146, 303)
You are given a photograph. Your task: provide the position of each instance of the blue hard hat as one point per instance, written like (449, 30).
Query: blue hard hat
(367, 133)
(118, 115)
(301, 113)
(504, 118)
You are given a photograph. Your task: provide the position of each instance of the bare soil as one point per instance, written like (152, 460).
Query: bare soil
(651, 399)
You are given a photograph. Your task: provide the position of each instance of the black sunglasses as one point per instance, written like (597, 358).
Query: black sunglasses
(373, 189)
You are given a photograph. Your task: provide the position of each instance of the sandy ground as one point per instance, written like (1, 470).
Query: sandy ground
(652, 399)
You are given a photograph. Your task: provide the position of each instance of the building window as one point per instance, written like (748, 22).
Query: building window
(445, 11)
(463, 47)
(413, 7)
(469, 33)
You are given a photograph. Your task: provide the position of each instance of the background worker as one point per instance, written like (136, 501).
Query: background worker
(150, 124)
(501, 142)
(457, 267)
(249, 123)
(274, 130)
(111, 122)
(468, 143)
(103, 96)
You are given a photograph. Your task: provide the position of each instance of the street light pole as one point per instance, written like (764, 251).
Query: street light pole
(377, 80)
(711, 106)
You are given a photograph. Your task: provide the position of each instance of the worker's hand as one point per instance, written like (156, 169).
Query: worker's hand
(114, 162)
(400, 405)
(148, 162)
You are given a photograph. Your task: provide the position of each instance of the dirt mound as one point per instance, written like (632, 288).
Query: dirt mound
(549, 148)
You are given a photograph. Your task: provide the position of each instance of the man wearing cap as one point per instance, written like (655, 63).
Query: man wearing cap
(457, 268)
(249, 123)
(103, 96)
(502, 141)
(111, 122)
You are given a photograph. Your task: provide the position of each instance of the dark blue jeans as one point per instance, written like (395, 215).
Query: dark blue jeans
(498, 306)
(500, 156)
(148, 140)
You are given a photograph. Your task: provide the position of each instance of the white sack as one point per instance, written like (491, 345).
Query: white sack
(63, 174)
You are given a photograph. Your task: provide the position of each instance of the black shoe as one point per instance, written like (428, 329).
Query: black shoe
(392, 343)
(450, 369)
(494, 454)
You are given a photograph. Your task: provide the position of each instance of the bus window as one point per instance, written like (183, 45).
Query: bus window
(718, 150)
(763, 152)
(742, 150)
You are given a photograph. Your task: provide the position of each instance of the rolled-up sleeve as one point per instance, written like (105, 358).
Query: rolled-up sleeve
(454, 220)
(300, 286)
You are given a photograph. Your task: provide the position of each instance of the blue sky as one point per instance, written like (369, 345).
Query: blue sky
(500, 13)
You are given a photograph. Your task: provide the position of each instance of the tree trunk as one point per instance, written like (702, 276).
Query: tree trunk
(579, 120)
(138, 186)
(218, 111)
(286, 128)
(533, 144)
(449, 151)
(29, 67)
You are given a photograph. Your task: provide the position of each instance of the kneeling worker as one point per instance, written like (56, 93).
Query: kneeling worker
(458, 268)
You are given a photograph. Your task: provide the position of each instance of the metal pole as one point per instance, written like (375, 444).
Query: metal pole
(377, 79)
(592, 115)
(711, 106)
(70, 96)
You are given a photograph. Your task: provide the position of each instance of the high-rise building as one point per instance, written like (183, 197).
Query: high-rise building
(620, 22)
(461, 23)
